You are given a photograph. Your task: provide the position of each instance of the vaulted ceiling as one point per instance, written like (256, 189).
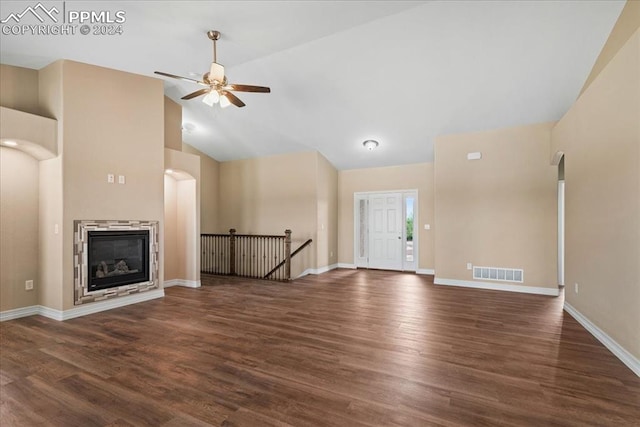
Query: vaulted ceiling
(341, 72)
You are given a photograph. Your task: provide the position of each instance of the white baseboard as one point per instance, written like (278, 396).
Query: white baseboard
(620, 352)
(81, 310)
(17, 313)
(497, 286)
(182, 282)
(345, 265)
(318, 270)
(430, 271)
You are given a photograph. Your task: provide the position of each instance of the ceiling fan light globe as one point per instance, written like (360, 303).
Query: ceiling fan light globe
(211, 98)
(224, 101)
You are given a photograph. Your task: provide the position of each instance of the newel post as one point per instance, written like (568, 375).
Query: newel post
(287, 254)
(232, 251)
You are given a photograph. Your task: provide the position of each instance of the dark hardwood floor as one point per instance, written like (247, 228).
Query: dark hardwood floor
(346, 348)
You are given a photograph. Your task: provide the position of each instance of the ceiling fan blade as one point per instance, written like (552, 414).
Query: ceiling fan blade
(196, 93)
(186, 79)
(234, 99)
(247, 88)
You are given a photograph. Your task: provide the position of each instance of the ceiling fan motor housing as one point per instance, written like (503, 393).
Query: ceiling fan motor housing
(216, 73)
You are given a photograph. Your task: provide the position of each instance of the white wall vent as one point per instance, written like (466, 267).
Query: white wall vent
(499, 274)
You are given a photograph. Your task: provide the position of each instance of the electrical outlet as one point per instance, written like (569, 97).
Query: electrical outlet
(576, 288)
(28, 285)
(427, 226)
(111, 178)
(469, 266)
(121, 179)
(331, 254)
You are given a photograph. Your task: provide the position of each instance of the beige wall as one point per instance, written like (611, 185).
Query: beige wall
(499, 211)
(51, 222)
(327, 201)
(209, 191)
(600, 136)
(627, 24)
(122, 134)
(188, 229)
(172, 124)
(19, 89)
(18, 229)
(406, 177)
(170, 229)
(35, 135)
(270, 194)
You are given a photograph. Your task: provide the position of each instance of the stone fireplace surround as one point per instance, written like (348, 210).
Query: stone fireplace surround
(80, 259)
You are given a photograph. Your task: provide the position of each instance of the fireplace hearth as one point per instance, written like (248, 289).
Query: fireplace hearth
(114, 259)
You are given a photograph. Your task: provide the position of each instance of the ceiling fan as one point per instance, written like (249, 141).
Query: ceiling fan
(218, 88)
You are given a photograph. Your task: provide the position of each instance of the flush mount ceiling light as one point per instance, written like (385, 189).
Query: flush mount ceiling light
(370, 144)
(9, 143)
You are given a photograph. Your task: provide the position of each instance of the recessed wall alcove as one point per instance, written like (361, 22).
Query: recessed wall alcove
(181, 219)
(25, 140)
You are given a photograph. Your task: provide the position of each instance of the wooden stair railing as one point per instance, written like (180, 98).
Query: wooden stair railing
(248, 255)
(287, 261)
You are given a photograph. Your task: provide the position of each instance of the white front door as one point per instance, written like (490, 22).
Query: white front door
(385, 231)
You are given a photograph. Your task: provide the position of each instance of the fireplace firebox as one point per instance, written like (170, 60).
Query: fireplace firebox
(117, 258)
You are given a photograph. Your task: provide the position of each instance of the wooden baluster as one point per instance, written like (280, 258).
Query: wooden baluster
(287, 253)
(204, 253)
(280, 252)
(203, 262)
(232, 251)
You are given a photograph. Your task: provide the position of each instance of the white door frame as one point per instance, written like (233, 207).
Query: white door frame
(561, 214)
(363, 262)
